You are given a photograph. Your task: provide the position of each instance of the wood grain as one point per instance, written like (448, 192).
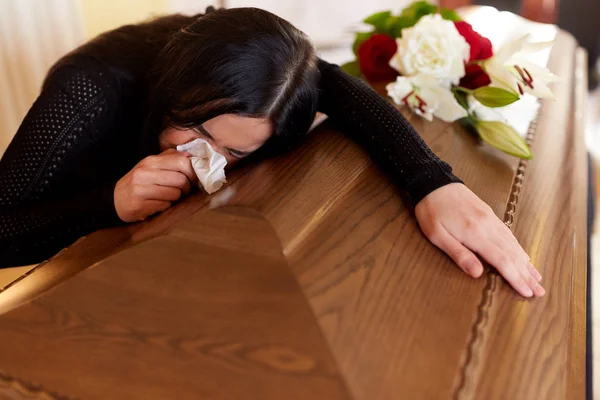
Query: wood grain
(544, 341)
(536, 349)
(400, 319)
(178, 316)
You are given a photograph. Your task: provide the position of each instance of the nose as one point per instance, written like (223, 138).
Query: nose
(221, 150)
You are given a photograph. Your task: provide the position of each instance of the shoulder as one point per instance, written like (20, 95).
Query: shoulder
(81, 67)
(84, 80)
(324, 65)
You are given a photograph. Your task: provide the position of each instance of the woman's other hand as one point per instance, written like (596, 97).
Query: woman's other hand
(461, 224)
(153, 185)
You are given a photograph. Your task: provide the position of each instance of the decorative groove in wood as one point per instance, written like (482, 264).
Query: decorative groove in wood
(11, 386)
(26, 274)
(478, 337)
(523, 349)
(477, 341)
(517, 185)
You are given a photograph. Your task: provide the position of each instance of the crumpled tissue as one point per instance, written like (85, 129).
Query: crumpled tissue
(207, 163)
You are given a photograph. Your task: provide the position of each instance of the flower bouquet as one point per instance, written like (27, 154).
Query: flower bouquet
(441, 67)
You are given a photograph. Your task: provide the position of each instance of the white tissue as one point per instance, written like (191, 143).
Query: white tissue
(207, 163)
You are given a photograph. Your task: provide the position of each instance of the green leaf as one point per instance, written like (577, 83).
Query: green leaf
(351, 68)
(408, 18)
(495, 97)
(396, 24)
(379, 20)
(450, 15)
(461, 98)
(361, 37)
(503, 137)
(419, 9)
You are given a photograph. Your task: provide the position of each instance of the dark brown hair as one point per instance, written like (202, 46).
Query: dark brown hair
(243, 61)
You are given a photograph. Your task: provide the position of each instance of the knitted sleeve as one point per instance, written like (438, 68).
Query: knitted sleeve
(50, 194)
(376, 124)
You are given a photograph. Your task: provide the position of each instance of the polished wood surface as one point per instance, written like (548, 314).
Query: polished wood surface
(400, 319)
(536, 349)
(197, 313)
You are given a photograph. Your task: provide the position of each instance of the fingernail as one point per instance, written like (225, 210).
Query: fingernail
(539, 291)
(527, 292)
(536, 274)
(476, 273)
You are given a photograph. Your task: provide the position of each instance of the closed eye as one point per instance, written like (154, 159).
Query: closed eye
(235, 153)
(238, 153)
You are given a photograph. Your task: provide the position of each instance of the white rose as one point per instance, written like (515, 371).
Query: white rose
(432, 47)
(426, 97)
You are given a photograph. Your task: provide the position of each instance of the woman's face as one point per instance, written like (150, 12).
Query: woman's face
(233, 136)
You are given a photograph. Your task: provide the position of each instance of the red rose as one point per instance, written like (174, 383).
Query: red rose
(474, 77)
(481, 47)
(374, 55)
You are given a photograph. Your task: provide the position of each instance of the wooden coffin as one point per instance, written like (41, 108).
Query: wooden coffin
(308, 277)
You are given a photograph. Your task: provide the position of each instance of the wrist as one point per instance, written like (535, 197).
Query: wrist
(430, 181)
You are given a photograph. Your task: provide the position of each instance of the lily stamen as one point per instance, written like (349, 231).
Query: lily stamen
(525, 76)
(405, 98)
(421, 103)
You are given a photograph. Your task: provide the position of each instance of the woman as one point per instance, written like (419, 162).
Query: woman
(97, 147)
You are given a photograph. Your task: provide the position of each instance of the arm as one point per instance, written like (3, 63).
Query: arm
(33, 233)
(450, 215)
(388, 137)
(50, 191)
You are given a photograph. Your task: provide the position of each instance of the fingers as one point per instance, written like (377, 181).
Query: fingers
(455, 219)
(150, 207)
(522, 282)
(463, 257)
(496, 257)
(148, 176)
(517, 246)
(535, 272)
(156, 192)
(506, 240)
(493, 241)
(171, 161)
(532, 281)
(517, 270)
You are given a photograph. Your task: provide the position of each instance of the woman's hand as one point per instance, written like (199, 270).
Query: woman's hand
(461, 224)
(153, 184)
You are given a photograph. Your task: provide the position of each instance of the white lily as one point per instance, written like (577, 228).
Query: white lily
(427, 97)
(510, 69)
